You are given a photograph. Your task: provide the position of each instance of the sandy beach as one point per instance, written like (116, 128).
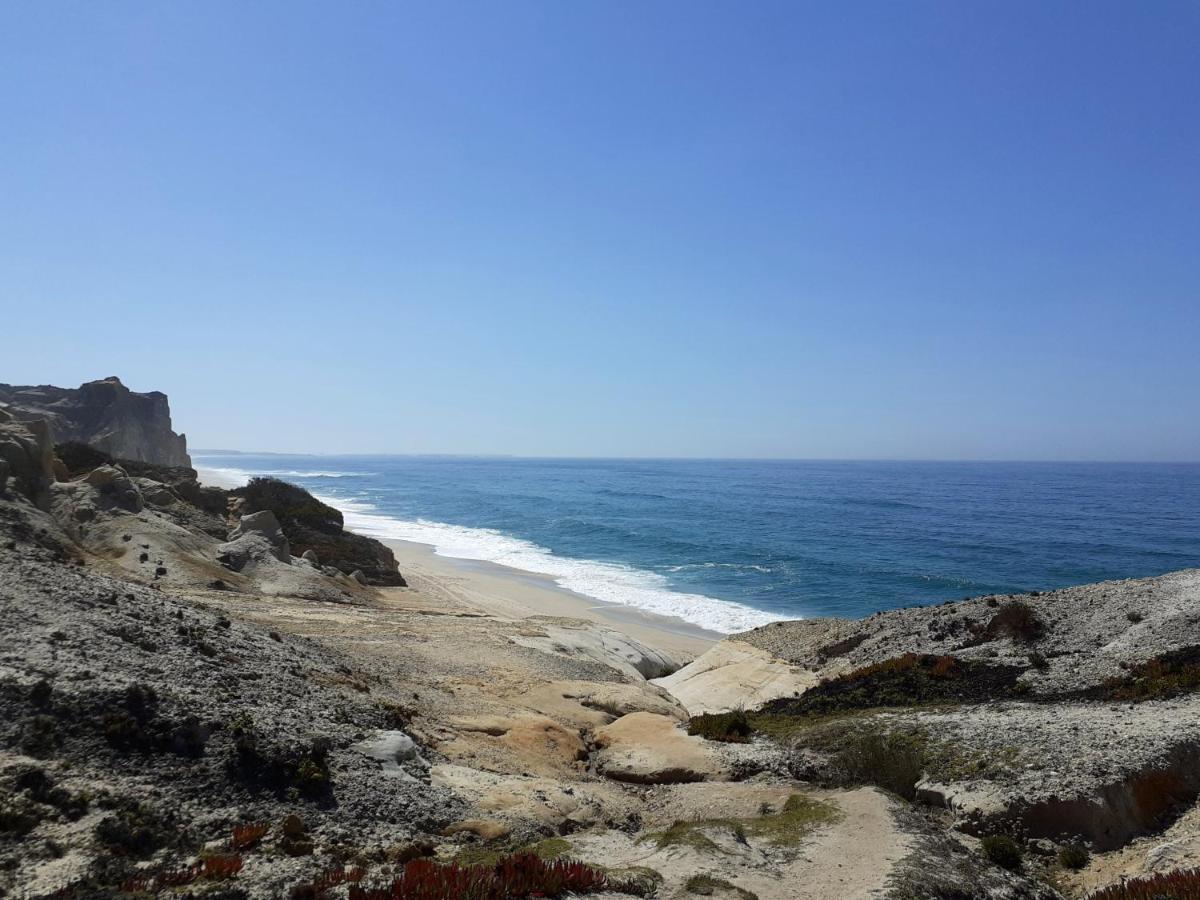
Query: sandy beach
(504, 592)
(510, 593)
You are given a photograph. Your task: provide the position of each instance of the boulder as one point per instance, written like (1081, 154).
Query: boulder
(154, 493)
(115, 488)
(733, 674)
(310, 556)
(28, 456)
(646, 748)
(263, 525)
(312, 525)
(580, 639)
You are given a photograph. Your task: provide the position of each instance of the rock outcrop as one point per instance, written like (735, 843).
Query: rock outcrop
(315, 531)
(645, 748)
(104, 414)
(27, 462)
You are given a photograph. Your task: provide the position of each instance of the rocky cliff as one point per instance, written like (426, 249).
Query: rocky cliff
(104, 414)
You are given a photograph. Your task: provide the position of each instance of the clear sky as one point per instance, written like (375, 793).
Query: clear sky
(893, 229)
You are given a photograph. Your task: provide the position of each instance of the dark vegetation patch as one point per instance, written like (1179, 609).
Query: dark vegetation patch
(842, 647)
(1003, 851)
(787, 828)
(1182, 884)
(514, 877)
(1073, 856)
(914, 679)
(731, 727)
(708, 885)
(310, 524)
(892, 761)
(263, 762)
(216, 867)
(80, 458)
(136, 830)
(1168, 675)
(1016, 620)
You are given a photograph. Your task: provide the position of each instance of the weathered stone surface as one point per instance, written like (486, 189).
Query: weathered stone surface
(589, 640)
(734, 674)
(645, 748)
(484, 829)
(310, 524)
(28, 456)
(310, 556)
(265, 525)
(106, 415)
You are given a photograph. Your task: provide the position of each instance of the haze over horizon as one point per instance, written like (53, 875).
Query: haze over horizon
(874, 231)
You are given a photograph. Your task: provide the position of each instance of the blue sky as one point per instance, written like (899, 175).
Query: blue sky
(882, 230)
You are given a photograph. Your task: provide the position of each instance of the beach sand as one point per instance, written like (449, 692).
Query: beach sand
(514, 594)
(508, 593)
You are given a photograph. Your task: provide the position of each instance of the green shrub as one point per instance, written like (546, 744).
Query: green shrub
(1003, 851)
(893, 762)
(912, 679)
(1016, 620)
(1168, 675)
(732, 727)
(707, 885)
(134, 830)
(1073, 856)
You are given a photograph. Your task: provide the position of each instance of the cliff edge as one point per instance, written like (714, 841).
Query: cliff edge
(104, 414)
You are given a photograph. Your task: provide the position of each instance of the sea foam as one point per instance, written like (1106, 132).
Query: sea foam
(604, 581)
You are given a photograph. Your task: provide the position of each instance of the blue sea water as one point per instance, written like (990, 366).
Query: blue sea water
(730, 544)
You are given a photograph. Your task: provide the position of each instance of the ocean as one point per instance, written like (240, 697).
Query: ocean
(732, 544)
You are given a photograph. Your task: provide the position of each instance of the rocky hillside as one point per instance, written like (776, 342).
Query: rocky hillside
(224, 695)
(104, 414)
(1065, 721)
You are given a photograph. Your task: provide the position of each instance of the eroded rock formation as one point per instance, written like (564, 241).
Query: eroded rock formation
(104, 414)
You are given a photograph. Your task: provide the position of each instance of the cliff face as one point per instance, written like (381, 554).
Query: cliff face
(106, 415)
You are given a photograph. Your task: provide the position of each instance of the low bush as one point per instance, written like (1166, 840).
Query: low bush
(1182, 884)
(134, 830)
(1003, 851)
(243, 837)
(1016, 620)
(1073, 856)
(893, 762)
(1158, 678)
(514, 877)
(913, 679)
(732, 727)
(259, 760)
(707, 885)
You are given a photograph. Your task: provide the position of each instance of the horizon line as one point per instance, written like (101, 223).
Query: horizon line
(823, 459)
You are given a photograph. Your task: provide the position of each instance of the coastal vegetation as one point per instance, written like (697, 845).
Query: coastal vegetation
(1182, 884)
(731, 727)
(311, 526)
(911, 679)
(789, 827)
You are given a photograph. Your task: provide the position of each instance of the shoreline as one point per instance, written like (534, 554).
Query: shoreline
(518, 594)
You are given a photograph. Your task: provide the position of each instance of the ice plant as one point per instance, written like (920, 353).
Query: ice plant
(1182, 884)
(519, 876)
(246, 836)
